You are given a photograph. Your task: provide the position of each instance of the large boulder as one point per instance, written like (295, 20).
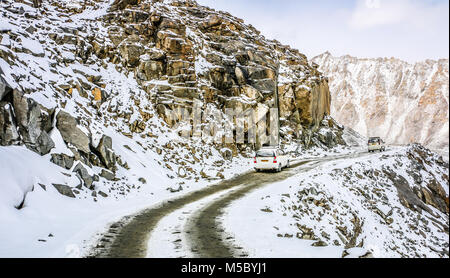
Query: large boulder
(62, 160)
(83, 175)
(71, 133)
(34, 122)
(64, 190)
(105, 152)
(107, 175)
(44, 144)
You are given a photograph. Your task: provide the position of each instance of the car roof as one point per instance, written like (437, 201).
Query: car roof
(268, 149)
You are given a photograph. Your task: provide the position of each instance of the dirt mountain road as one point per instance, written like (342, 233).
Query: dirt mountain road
(129, 237)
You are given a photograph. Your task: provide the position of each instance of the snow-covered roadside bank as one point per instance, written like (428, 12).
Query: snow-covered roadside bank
(52, 225)
(346, 208)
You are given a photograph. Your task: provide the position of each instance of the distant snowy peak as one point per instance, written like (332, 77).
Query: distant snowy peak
(388, 97)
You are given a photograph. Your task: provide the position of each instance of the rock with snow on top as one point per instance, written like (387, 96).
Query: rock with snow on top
(106, 154)
(83, 175)
(64, 190)
(71, 133)
(34, 123)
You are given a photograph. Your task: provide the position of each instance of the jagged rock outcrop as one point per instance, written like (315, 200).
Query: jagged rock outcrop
(63, 160)
(174, 53)
(24, 121)
(107, 175)
(396, 201)
(390, 98)
(64, 190)
(34, 122)
(83, 174)
(326, 134)
(181, 52)
(106, 154)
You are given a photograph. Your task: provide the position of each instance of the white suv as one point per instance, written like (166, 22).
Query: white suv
(271, 158)
(376, 144)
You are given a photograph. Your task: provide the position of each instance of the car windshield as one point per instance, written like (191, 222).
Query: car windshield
(374, 140)
(265, 153)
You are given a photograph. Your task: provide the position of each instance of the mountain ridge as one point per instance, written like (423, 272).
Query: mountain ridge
(385, 58)
(420, 90)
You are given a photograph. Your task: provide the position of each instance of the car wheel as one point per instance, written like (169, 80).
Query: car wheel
(279, 168)
(288, 164)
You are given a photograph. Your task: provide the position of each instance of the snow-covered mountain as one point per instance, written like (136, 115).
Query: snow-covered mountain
(90, 93)
(79, 76)
(390, 98)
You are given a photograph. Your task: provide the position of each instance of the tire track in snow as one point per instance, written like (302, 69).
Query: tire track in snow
(130, 237)
(206, 234)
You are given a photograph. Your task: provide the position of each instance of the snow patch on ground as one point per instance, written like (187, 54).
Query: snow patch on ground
(272, 222)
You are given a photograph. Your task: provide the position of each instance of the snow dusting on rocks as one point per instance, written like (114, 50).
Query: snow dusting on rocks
(392, 204)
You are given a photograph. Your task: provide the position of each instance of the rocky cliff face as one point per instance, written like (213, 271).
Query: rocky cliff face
(76, 76)
(181, 53)
(401, 102)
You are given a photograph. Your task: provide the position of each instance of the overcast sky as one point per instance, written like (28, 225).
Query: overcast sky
(411, 30)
